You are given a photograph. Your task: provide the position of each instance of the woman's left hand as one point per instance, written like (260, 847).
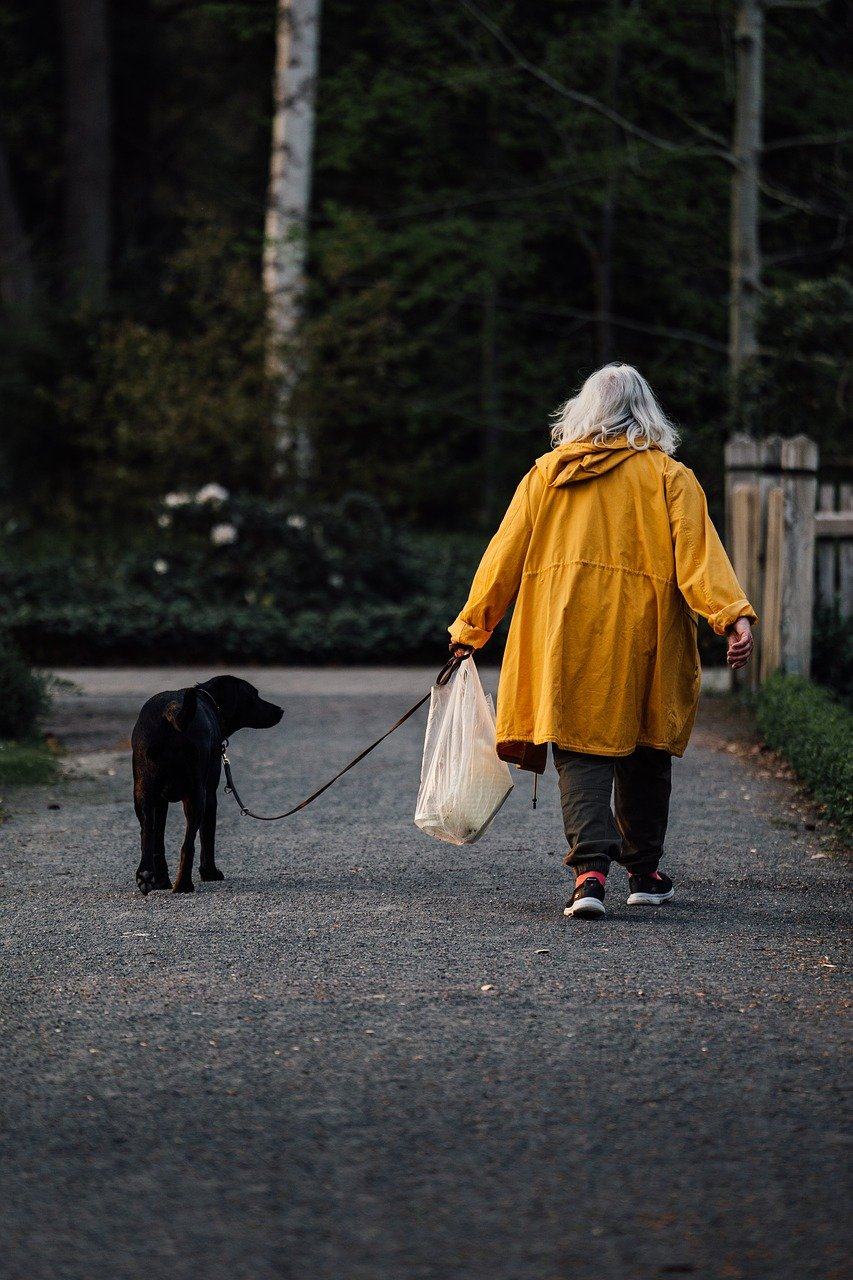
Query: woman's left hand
(740, 644)
(460, 650)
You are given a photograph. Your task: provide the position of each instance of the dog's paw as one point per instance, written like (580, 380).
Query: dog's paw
(211, 873)
(145, 880)
(183, 886)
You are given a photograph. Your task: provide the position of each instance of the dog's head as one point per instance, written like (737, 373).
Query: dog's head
(240, 705)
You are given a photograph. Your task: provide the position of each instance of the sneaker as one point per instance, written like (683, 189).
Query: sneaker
(588, 898)
(649, 889)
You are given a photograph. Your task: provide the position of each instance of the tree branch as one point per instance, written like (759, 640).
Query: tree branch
(794, 4)
(623, 322)
(809, 140)
(584, 99)
(795, 202)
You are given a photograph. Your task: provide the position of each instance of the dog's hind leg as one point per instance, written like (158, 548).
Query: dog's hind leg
(207, 860)
(194, 811)
(161, 870)
(146, 813)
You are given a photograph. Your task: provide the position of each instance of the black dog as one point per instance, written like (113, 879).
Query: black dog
(177, 756)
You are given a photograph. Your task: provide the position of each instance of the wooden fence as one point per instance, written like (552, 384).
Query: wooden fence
(789, 530)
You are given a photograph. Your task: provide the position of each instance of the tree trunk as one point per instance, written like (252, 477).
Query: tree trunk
(607, 236)
(17, 278)
(88, 168)
(490, 397)
(286, 229)
(745, 244)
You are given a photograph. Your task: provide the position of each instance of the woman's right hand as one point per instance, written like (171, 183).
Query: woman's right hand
(740, 644)
(460, 650)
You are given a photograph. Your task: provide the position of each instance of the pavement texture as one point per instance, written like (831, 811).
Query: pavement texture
(370, 1056)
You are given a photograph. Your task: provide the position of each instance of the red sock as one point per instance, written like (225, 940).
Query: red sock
(584, 875)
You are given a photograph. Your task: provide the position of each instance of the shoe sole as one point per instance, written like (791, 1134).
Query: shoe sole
(649, 899)
(586, 908)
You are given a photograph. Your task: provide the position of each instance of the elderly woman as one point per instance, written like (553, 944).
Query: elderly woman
(608, 551)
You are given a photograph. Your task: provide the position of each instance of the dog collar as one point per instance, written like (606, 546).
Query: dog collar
(207, 694)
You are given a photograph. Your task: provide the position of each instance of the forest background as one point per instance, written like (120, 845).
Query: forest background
(498, 198)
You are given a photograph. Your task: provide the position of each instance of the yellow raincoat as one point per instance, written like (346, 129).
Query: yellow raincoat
(609, 554)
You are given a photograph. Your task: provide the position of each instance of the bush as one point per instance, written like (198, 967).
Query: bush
(291, 584)
(155, 631)
(100, 415)
(22, 694)
(832, 652)
(814, 733)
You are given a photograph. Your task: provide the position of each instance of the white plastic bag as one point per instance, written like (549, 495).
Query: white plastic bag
(463, 781)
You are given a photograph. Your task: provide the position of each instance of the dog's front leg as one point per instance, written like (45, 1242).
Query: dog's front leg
(161, 869)
(207, 860)
(146, 813)
(193, 811)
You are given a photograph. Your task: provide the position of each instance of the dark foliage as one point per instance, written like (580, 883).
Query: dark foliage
(832, 653)
(23, 694)
(460, 257)
(815, 734)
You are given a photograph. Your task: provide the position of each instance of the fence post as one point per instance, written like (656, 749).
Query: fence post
(742, 456)
(743, 466)
(771, 604)
(745, 509)
(845, 556)
(799, 460)
(826, 551)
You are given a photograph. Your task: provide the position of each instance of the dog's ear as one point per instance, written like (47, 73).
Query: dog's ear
(180, 714)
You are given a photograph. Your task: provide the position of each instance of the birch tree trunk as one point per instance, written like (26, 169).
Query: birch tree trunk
(286, 228)
(610, 202)
(745, 246)
(490, 402)
(88, 161)
(17, 277)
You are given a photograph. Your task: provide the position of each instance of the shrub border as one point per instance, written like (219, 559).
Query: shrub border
(814, 733)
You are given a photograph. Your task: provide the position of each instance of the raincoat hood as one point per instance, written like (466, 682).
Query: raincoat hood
(583, 460)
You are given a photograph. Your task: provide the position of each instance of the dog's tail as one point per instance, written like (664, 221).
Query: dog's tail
(181, 714)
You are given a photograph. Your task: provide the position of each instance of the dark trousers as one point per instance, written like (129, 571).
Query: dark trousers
(641, 784)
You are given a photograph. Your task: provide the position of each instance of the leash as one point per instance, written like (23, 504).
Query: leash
(450, 667)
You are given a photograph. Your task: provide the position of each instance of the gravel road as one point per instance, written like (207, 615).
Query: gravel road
(369, 1056)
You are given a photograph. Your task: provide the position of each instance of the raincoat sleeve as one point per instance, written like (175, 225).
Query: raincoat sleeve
(498, 578)
(705, 576)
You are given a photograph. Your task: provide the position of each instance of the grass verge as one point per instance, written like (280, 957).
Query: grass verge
(814, 733)
(25, 764)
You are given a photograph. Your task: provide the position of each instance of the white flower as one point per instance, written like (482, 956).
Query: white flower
(161, 566)
(295, 522)
(211, 493)
(222, 535)
(180, 499)
(164, 520)
(335, 580)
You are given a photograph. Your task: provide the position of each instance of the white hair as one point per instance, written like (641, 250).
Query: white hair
(614, 401)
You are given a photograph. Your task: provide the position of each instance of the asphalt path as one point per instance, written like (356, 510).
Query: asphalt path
(370, 1056)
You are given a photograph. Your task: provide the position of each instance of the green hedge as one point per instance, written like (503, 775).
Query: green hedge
(156, 632)
(23, 695)
(329, 587)
(814, 733)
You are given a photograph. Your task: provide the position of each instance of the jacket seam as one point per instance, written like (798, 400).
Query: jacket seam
(597, 564)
